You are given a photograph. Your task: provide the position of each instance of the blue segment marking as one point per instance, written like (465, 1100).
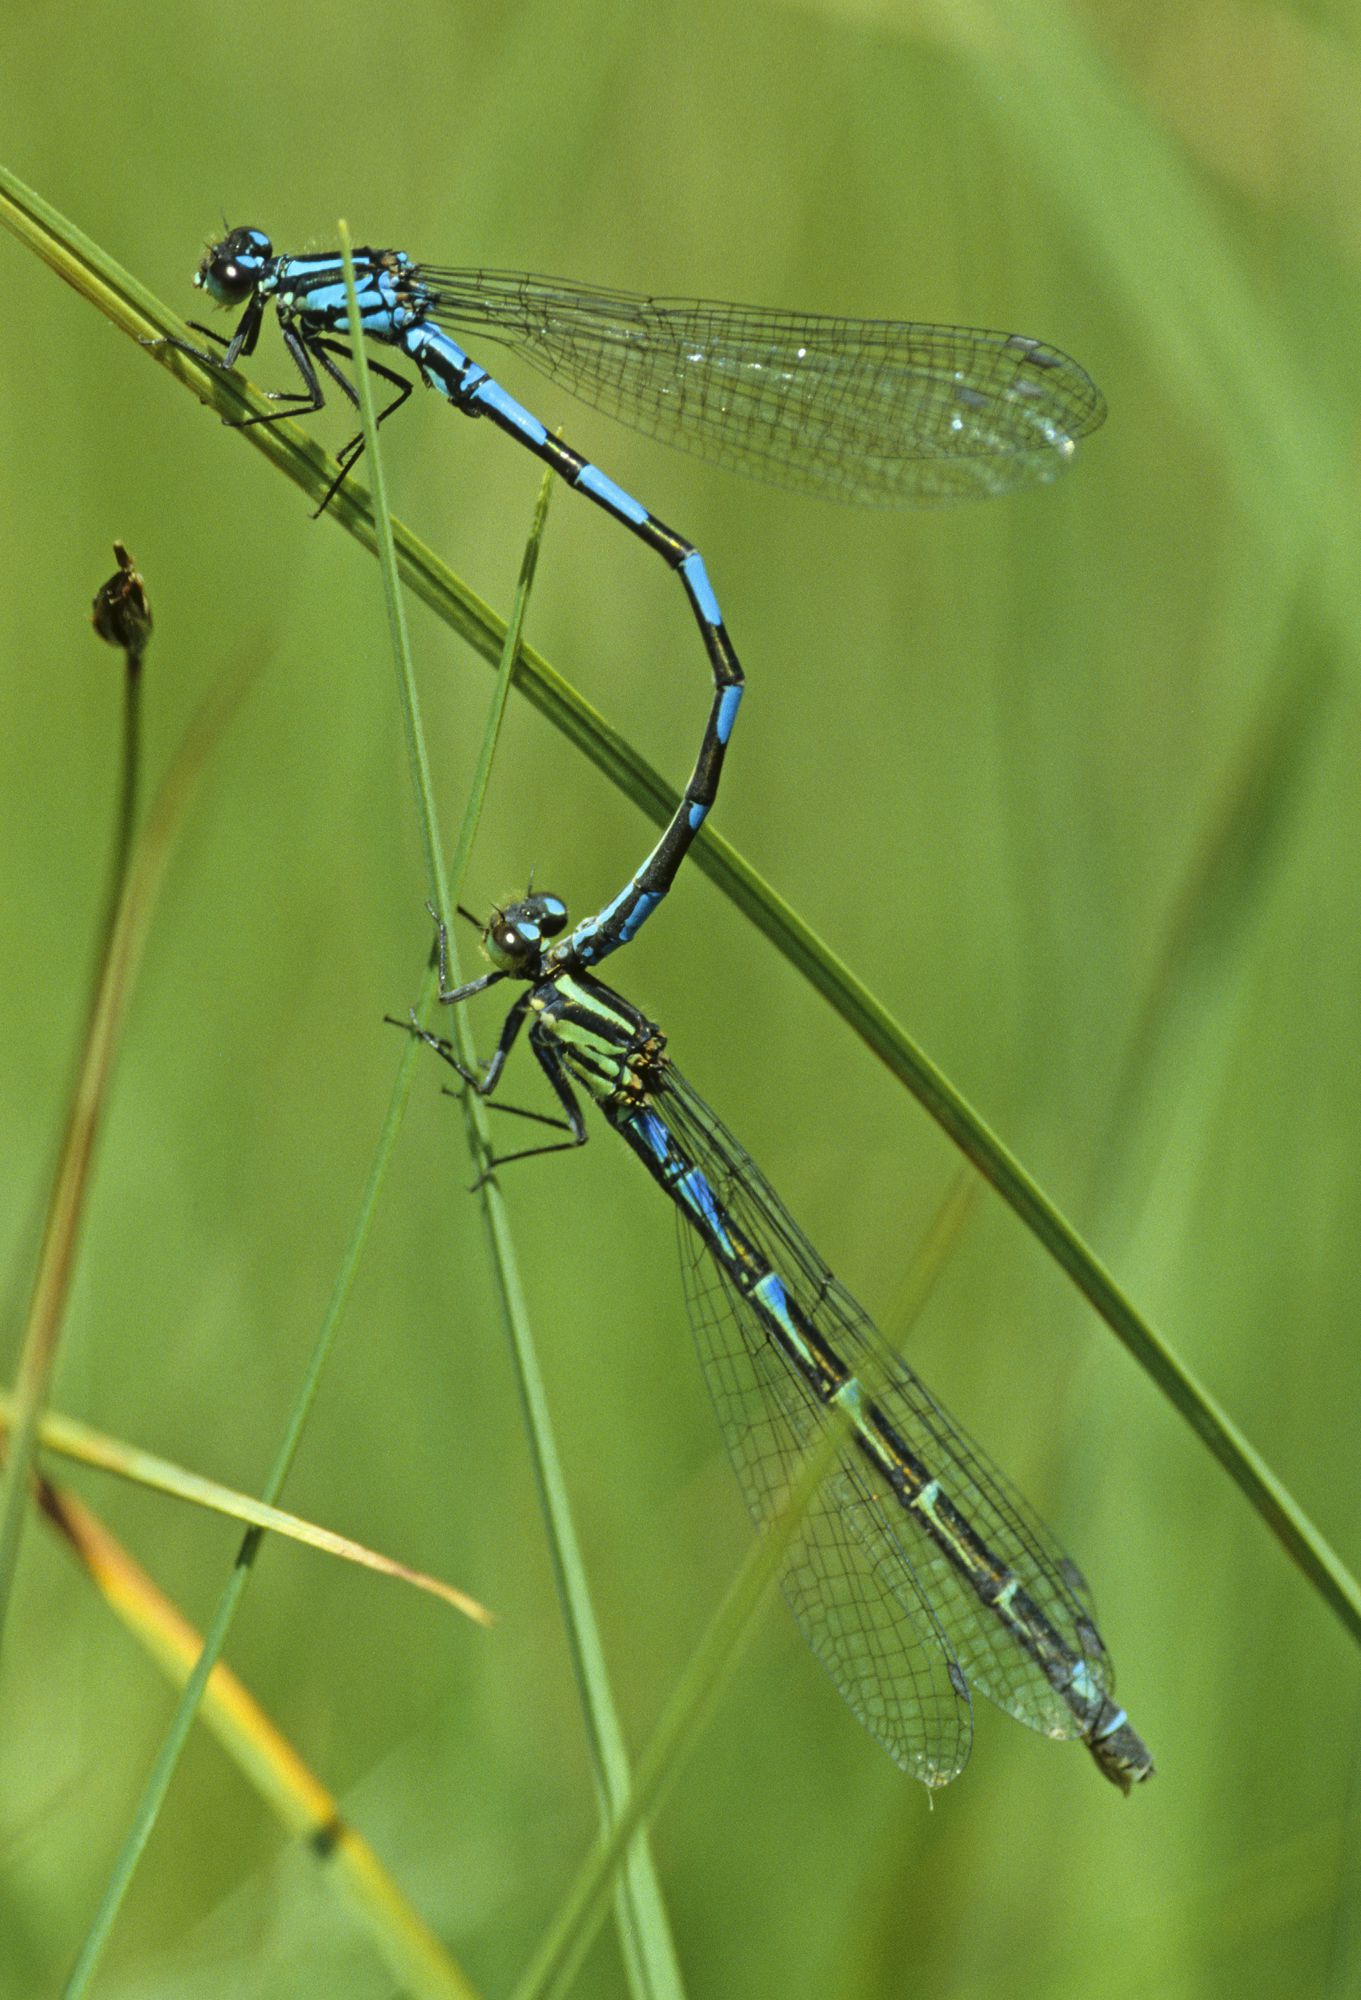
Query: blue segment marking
(729, 703)
(691, 1186)
(424, 341)
(655, 1135)
(697, 817)
(638, 916)
(771, 1292)
(592, 480)
(697, 1194)
(490, 393)
(639, 904)
(1082, 1680)
(700, 589)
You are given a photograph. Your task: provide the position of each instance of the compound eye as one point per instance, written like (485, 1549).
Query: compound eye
(552, 915)
(231, 270)
(506, 941)
(513, 941)
(514, 938)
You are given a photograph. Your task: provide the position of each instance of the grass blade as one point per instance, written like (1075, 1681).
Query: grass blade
(649, 1953)
(260, 1750)
(126, 937)
(143, 1468)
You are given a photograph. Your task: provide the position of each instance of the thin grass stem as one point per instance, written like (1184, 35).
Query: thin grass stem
(649, 1952)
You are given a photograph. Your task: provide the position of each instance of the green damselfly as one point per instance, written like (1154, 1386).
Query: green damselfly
(918, 1571)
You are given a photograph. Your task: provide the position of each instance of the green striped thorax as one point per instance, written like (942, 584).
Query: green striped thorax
(610, 1046)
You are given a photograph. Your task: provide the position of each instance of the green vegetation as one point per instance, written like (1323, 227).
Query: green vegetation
(1066, 781)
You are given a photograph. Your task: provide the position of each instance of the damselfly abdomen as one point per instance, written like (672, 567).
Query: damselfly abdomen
(918, 1571)
(878, 412)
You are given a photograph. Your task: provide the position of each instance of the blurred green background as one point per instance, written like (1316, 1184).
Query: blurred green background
(1070, 780)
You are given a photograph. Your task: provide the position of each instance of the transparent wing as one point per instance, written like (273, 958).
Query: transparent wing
(768, 1417)
(846, 1576)
(878, 412)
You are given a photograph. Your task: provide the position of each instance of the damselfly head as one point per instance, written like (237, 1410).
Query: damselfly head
(515, 937)
(231, 269)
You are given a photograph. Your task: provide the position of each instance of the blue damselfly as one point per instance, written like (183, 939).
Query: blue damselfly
(918, 1570)
(879, 412)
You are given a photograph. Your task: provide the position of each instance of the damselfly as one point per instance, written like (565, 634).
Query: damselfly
(917, 1570)
(879, 412)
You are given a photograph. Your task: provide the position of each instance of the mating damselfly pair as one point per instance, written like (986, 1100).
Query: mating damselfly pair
(917, 1570)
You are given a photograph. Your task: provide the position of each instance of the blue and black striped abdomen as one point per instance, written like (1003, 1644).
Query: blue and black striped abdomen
(914, 1568)
(918, 1570)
